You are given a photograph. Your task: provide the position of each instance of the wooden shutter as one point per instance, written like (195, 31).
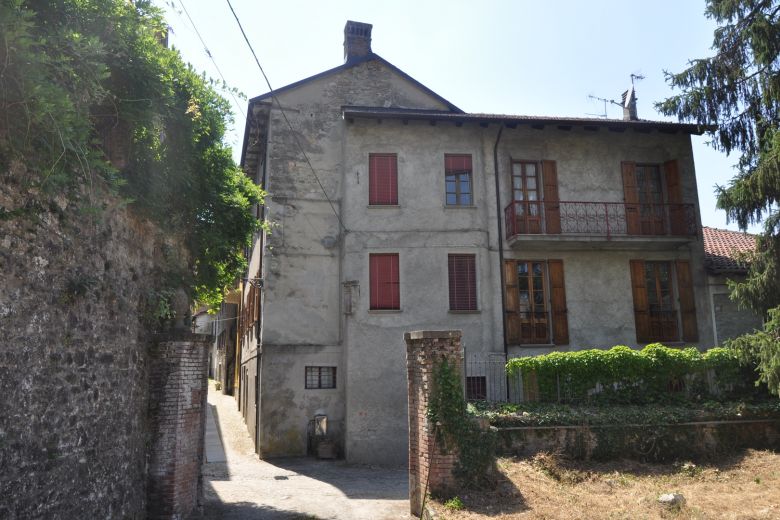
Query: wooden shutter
(512, 303)
(552, 209)
(383, 277)
(641, 306)
(463, 282)
(631, 198)
(687, 306)
(382, 179)
(674, 196)
(560, 320)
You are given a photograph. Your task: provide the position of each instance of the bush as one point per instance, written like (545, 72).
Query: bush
(627, 376)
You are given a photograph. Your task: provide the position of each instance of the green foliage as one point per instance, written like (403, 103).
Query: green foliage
(89, 91)
(454, 504)
(736, 93)
(457, 430)
(763, 349)
(624, 375)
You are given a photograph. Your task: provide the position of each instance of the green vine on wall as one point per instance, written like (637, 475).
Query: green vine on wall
(457, 430)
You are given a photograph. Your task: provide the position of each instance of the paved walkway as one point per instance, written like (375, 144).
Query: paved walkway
(242, 487)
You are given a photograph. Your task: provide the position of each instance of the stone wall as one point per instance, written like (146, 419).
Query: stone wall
(430, 470)
(74, 361)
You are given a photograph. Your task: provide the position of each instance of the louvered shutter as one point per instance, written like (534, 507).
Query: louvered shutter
(552, 209)
(384, 281)
(641, 306)
(560, 319)
(631, 198)
(512, 303)
(677, 223)
(382, 179)
(462, 282)
(687, 306)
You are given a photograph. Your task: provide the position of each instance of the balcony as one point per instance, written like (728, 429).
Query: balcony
(601, 224)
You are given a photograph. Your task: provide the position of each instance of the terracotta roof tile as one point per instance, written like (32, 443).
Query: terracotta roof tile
(721, 248)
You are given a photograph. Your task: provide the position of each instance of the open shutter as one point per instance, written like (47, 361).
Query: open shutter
(552, 209)
(687, 306)
(631, 198)
(560, 320)
(641, 307)
(512, 321)
(674, 195)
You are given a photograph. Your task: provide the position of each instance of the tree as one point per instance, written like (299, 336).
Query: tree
(735, 95)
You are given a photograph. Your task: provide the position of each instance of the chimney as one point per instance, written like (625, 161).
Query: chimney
(629, 105)
(357, 40)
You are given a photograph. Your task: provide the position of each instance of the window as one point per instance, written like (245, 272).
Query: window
(656, 316)
(653, 196)
(457, 172)
(382, 179)
(320, 377)
(463, 282)
(476, 388)
(535, 298)
(383, 278)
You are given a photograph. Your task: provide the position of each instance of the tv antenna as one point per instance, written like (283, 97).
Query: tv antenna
(637, 77)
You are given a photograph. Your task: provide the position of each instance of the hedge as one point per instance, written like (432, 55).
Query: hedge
(626, 376)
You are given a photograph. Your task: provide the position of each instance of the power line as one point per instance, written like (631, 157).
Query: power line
(284, 115)
(211, 57)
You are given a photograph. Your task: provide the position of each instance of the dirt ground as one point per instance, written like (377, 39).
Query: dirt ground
(742, 486)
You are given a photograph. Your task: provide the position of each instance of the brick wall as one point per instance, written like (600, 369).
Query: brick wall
(424, 349)
(178, 388)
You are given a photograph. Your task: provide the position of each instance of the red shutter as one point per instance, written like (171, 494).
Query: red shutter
(457, 163)
(552, 210)
(560, 320)
(383, 276)
(641, 306)
(463, 282)
(631, 198)
(382, 179)
(687, 305)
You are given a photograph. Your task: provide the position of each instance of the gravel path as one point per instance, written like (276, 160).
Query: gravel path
(246, 487)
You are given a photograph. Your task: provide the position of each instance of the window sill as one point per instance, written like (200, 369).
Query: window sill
(457, 206)
(384, 311)
(475, 311)
(537, 345)
(383, 206)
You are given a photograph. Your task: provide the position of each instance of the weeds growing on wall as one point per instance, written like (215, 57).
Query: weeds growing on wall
(457, 430)
(622, 375)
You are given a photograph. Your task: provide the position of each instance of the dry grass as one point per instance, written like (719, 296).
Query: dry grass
(744, 486)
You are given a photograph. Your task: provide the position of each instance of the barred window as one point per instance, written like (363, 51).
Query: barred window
(320, 377)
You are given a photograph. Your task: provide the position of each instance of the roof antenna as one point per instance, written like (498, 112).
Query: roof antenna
(605, 101)
(627, 98)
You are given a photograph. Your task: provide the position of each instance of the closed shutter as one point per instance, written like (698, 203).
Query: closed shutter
(560, 319)
(462, 282)
(631, 198)
(552, 209)
(512, 304)
(687, 305)
(383, 275)
(382, 179)
(677, 224)
(641, 306)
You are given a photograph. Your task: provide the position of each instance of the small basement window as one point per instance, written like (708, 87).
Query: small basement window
(476, 388)
(320, 377)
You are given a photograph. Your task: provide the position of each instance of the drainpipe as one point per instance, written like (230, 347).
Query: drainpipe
(500, 250)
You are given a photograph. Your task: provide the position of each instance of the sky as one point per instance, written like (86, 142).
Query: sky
(499, 56)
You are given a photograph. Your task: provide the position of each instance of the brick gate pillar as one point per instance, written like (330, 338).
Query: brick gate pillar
(424, 349)
(177, 413)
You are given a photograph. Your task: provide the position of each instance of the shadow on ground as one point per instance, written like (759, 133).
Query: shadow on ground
(249, 511)
(499, 496)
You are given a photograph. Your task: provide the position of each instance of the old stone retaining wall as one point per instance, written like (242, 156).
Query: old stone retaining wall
(74, 355)
(666, 442)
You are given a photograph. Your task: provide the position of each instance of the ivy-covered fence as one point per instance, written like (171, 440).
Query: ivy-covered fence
(622, 375)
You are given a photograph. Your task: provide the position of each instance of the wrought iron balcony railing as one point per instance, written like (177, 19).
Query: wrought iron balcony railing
(599, 218)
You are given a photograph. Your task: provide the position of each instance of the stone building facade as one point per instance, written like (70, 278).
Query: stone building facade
(393, 210)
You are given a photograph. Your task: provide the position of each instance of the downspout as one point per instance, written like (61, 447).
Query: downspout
(502, 289)
(259, 367)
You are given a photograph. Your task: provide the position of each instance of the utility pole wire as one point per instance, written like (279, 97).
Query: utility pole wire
(284, 115)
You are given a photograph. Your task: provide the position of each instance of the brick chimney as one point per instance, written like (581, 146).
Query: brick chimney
(357, 40)
(629, 105)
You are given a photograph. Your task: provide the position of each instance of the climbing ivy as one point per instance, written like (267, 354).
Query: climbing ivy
(91, 95)
(457, 430)
(624, 375)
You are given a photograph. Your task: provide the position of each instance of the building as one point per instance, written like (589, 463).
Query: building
(723, 262)
(394, 210)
